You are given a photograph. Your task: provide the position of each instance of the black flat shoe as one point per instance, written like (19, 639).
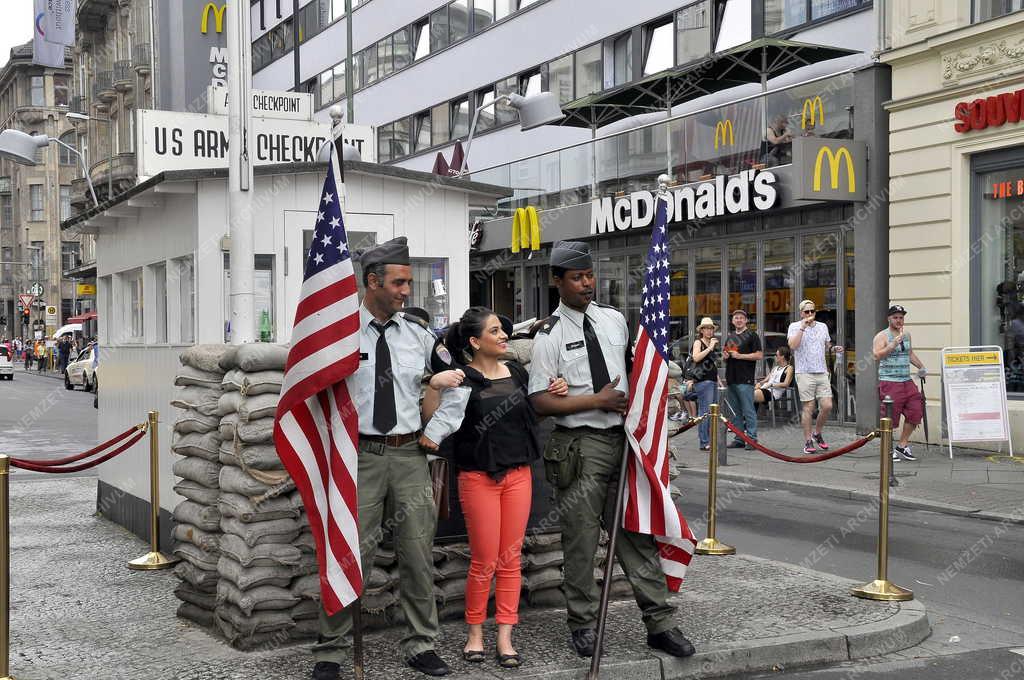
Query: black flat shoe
(326, 670)
(473, 655)
(583, 641)
(509, 660)
(671, 642)
(429, 663)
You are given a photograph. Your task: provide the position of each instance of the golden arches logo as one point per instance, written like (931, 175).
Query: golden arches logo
(525, 229)
(218, 17)
(812, 105)
(834, 160)
(725, 129)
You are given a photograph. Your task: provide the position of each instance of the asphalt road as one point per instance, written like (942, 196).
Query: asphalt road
(968, 572)
(40, 419)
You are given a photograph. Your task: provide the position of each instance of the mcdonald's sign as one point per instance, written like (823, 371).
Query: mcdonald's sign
(525, 229)
(829, 169)
(812, 105)
(218, 17)
(724, 129)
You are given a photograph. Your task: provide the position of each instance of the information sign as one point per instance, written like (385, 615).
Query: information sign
(974, 386)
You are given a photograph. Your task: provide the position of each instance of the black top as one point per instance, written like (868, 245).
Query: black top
(738, 371)
(499, 430)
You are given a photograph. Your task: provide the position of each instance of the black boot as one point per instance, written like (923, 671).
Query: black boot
(583, 641)
(326, 670)
(671, 642)
(429, 663)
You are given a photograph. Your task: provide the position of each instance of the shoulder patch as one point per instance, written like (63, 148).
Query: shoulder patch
(548, 324)
(419, 321)
(440, 357)
(603, 305)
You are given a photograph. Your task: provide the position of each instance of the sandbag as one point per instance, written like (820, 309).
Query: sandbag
(186, 593)
(205, 446)
(205, 357)
(262, 382)
(236, 505)
(545, 597)
(192, 553)
(228, 360)
(453, 568)
(376, 603)
(205, 517)
(258, 406)
(189, 376)
(236, 480)
(306, 543)
(307, 587)
(252, 577)
(199, 399)
(379, 581)
(260, 533)
(204, 540)
(260, 598)
(200, 579)
(228, 403)
(543, 578)
(449, 591)
(538, 543)
(535, 561)
(194, 491)
(307, 608)
(519, 350)
(247, 626)
(232, 381)
(384, 557)
(193, 421)
(263, 555)
(199, 470)
(195, 614)
(261, 356)
(307, 628)
(226, 427)
(260, 457)
(259, 431)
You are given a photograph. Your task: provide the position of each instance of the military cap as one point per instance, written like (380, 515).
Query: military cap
(395, 251)
(571, 255)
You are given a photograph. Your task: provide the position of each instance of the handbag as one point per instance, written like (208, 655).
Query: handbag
(439, 484)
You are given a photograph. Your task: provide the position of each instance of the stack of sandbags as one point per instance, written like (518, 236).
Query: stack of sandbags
(196, 439)
(451, 567)
(542, 570)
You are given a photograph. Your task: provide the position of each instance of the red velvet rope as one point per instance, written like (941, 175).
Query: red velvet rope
(79, 456)
(689, 425)
(852, 446)
(28, 465)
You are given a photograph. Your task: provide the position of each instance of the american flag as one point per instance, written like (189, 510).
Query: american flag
(316, 427)
(649, 505)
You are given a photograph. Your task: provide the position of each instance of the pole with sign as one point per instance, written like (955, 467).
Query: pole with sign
(974, 386)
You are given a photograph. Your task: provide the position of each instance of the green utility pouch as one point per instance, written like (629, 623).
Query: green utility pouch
(562, 459)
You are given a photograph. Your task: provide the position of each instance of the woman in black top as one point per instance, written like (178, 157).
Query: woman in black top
(493, 447)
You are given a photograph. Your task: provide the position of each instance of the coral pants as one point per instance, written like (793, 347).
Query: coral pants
(496, 515)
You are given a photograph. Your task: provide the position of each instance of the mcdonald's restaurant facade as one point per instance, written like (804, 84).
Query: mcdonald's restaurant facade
(753, 224)
(957, 188)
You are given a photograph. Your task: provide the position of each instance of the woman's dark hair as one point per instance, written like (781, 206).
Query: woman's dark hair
(471, 325)
(786, 353)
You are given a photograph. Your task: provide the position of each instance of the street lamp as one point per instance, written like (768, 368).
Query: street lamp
(20, 147)
(535, 110)
(85, 118)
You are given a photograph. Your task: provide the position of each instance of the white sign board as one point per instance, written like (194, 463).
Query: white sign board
(974, 385)
(170, 140)
(362, 138)
(264, 103)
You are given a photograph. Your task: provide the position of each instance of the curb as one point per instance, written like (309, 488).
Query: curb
(832, 491)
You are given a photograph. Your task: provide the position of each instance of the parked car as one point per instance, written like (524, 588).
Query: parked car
(6, 367)
(81, 371)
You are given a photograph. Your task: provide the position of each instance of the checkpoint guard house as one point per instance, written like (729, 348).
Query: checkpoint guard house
(162, 267)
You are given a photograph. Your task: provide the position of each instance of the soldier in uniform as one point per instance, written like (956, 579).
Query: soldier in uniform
(587, 343)
(396, 352)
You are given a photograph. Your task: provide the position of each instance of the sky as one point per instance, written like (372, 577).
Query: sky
(16, 27)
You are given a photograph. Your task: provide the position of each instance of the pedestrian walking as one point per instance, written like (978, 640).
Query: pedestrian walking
(588, 344)
(28, 356)
(495, 442)
(704, 373)
(810, 341)
(893, 350)
(741, 353)
(395, 355)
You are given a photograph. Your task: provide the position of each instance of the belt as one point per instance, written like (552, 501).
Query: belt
(392, 440)
(614, 429)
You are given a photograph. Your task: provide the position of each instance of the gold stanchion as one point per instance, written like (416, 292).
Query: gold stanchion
(881, 588)
(5, 568)
(711, 545)
(154, 559)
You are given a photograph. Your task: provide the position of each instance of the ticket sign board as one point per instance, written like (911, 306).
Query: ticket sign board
(974, 387)
(172, 140)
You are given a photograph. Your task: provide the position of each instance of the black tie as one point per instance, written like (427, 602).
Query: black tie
(598, 368)
(384, 413)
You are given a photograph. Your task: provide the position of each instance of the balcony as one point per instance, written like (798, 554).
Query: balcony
(124, 76)
(142, 58)
(92, 14)
(118, 172)
(79, 104)
(103, 86)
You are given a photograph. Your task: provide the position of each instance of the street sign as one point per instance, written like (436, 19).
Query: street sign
(974, 385)
(36, 289)
(26, 299)
(86, 289)
(51, 315)
(264, 103)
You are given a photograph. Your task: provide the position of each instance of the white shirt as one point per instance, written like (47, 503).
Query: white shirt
(809, 357)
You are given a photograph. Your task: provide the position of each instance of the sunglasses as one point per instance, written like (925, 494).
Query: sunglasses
(808, 311)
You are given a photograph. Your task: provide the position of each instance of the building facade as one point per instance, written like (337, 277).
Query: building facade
(34, 199)
(957, 159)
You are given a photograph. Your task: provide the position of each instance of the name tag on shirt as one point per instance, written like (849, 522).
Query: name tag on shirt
(579, 344)
(364, 356)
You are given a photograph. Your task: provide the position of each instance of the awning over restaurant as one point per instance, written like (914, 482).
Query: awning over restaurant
(83, 317)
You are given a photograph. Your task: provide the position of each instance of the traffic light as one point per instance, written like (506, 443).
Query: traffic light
(3, 320)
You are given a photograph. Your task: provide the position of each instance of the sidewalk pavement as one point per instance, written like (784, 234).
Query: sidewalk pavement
(77, 611)
(975, 483)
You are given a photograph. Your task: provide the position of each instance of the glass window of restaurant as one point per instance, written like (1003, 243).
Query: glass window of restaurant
(997, 261)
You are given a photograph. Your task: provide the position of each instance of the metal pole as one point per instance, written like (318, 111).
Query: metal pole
(881, 588)
(240, 222)
(606, 587)
(296, 41)
(357, 639)
(154, 559)
(349, 95)
(5, 568)
(711, 545)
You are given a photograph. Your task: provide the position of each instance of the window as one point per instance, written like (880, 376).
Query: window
(588, 70)
(385, 133)
(421, 131)
(526, 3)
(67, 157)
(421, 38)
(37, 258)
(132, 303)
(402, 50)
(385, 57)
(61, 89)
(658, 54)
(783, 14)
(38, 213)
(326, 88)
(70, 254)
(483, 14)
(65, 202)
(439, 124)
(7, 255)
(622, 49)
(263, 289)
(369, 65)
(503, 8)
(183, 272)
(506, 114)
(458, 17)
(439, 30)
(693, 33)
(486, 118)
(159, 298)
(357, 70)
(560, 78)
(990, 9)
(38, 91)
(824, 8)
(460, 118)
(530, 83)
(338, 73)
(6, 211)
(400, 138)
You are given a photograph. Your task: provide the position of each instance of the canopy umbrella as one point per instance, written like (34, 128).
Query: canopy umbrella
(67, 329)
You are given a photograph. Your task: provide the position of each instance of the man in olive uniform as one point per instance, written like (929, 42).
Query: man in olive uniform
(395, 352)
(587, 343)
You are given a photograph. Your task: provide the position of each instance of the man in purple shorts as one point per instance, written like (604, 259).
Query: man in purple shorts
(892, 350)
